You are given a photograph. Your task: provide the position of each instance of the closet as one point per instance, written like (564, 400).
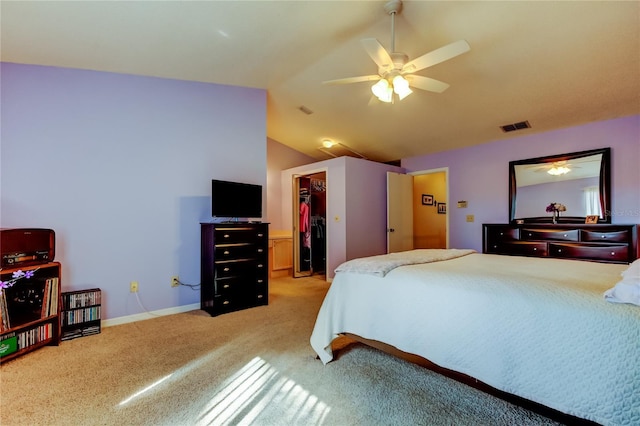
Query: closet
(311, 243)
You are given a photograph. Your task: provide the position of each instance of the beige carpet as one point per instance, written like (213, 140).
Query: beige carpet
(249, 367)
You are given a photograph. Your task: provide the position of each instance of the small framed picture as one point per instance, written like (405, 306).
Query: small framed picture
(427, 200)
(442, 208)
(591, 219)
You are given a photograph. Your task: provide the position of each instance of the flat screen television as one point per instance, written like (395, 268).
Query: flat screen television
(235, 199)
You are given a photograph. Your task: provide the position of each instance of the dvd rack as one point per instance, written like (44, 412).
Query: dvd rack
(29, 309)
(81, 313)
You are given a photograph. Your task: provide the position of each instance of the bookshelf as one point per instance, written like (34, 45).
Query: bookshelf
(81, 313)
(29, 309)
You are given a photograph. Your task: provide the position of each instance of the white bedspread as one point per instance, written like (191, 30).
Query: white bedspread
(382, 264)
(536, 328)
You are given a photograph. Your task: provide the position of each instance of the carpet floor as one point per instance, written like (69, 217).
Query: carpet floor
(251, 367)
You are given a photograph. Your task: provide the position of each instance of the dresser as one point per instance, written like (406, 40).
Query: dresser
(597, 242)
(233, 266)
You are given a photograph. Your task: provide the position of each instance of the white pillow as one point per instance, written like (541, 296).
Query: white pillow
(633, 271)
(625, 291)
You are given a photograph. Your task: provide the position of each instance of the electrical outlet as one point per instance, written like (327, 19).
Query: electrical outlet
(175, 281)
(470, 218)
(133, 286)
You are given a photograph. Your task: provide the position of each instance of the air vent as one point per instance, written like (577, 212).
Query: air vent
(339, 150)
(515, 126)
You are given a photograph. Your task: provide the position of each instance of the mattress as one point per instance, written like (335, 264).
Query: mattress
(536, 328)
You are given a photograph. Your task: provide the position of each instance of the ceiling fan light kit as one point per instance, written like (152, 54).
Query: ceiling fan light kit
(395, 74)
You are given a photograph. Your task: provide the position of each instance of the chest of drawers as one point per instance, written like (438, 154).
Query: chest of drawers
(602, 243)
(234, 266)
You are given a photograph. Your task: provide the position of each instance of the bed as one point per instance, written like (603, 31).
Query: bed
(536, 328)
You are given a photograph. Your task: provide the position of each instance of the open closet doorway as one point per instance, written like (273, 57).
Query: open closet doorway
(309, 219)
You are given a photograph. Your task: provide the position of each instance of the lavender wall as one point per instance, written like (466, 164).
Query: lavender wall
(120, 167)
(480, 174)
(356, 206)
(280, 157)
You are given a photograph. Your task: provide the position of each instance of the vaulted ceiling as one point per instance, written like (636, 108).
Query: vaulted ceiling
(554, 64)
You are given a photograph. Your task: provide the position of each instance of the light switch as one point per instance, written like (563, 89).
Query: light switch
(470, 218)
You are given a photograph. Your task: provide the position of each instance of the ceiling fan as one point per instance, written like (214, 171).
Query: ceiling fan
(395, 71)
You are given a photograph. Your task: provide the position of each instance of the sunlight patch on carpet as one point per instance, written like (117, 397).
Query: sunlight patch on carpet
(249, 394)
(145, 390)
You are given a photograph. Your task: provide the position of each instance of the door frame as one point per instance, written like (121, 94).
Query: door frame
(446, 180)
(295, 207)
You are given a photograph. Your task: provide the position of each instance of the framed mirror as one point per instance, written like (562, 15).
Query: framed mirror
(578, 181)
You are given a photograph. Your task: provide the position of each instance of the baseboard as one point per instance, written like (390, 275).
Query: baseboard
(149, 315)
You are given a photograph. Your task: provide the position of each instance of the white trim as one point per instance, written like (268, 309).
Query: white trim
(149, 315)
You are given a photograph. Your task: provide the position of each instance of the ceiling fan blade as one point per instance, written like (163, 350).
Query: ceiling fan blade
(378, 53)
(436, 56)
(426, 83)
(353, 79)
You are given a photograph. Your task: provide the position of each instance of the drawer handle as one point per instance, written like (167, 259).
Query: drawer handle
(226, 302)
(559, 250)
(613, 253)
(495, 246)
(564, 235)
(260, 250)
(226, 269)
(603, 236)
(260, 296)
(225, 286)
(529, 234)
(226, 235)
(260, 281)
(260, 265)
(502, 233)
(260, 235)
(226, 252)
(535, 249)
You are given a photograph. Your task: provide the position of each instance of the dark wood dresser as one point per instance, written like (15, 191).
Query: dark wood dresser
(234, 266)
(601, 243)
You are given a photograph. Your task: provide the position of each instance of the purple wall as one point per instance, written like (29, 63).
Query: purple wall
(280, 157)
(480, 174)
(120, 166)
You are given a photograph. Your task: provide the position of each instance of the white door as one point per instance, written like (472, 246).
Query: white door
(399, 212)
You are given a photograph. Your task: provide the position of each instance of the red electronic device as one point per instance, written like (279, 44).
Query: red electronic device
(26, 246)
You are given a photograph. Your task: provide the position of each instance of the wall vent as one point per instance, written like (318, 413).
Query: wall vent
(515, 126)
(339, 150)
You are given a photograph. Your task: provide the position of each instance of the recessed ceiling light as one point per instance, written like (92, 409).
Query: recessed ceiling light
(328, 143)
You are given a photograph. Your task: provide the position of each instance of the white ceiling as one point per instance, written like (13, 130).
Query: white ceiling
(556, 64)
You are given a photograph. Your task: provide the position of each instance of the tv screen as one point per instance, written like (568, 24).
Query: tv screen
(235, 200)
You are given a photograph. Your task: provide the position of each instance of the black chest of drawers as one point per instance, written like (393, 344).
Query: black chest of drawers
(233, 266)
(601, 243)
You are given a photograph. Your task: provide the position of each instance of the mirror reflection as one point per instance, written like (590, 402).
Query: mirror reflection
(578, 181)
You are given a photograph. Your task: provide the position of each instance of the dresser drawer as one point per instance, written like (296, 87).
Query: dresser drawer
(238, 251)
(622, 236)
(227, 287)
(594, 251)
(503, 233)
(239, 235)
(520, 248)
(234, 268)
(550, 234)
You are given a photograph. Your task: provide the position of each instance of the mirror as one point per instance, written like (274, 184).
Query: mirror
(580, 181)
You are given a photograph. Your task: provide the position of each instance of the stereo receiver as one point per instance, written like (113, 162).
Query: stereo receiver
(26, 246)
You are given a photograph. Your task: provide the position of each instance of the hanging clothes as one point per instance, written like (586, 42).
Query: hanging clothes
(305, 223)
